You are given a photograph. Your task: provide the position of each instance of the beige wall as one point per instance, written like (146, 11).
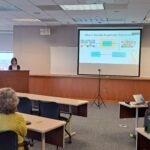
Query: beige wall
(33, 50)
(6, 42)
(145, 52)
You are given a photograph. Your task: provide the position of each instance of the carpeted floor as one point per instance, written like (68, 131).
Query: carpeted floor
(100, 131)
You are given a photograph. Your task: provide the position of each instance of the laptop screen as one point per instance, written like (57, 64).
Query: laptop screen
(138, 98)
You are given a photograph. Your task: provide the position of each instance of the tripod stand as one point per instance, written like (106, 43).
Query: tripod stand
(98, 101)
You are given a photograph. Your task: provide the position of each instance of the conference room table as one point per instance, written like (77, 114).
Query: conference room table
(143, 139)
(45, 129)
(71, 106)
(132, 110)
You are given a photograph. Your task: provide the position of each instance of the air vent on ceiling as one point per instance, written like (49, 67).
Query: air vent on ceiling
(89, 20)
(49, 7)
(116, 6)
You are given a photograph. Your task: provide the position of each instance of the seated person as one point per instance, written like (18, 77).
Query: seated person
(9, 119)
(14, 65)
(147, 114)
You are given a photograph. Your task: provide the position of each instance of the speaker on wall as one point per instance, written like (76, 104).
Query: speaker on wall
(45, 31)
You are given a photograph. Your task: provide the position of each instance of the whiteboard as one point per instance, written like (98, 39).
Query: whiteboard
(63, 60)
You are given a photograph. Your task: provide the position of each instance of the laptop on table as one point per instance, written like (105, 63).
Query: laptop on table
(139, 99)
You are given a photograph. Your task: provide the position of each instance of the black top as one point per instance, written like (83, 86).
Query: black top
(10, 67)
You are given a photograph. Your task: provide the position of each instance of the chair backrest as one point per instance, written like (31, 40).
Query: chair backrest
(49, 110)
(25, 105)
(8, 140)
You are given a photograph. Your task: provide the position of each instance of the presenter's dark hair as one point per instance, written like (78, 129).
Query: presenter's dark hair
(13, 59)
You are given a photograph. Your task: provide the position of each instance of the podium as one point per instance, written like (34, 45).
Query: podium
(17, 80)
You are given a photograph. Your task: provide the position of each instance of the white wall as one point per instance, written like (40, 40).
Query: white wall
(32, 49)
(6, 42)
(39, 53)
(145, 53)
(63, 60)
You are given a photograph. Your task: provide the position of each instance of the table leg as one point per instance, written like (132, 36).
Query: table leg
(136, 119)
(43, 141)
(69, 125)
(137, 141)
(134, 135)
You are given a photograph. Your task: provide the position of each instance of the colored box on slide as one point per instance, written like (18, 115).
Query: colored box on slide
(107, 43)
(95, 54)
(118, 54)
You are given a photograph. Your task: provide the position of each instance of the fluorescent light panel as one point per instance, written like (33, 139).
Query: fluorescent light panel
(83, 7)
(26, 20)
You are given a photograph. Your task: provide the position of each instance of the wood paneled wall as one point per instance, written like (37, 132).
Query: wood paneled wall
(86, 87)
(18, 80)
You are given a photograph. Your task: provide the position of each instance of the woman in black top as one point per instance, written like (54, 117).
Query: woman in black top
(14, 65)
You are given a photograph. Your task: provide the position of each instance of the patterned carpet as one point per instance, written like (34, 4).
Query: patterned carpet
(100, 131)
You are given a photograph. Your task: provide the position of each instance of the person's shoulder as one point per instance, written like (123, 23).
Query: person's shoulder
(10, 67)
(19, 116)
(18, 67)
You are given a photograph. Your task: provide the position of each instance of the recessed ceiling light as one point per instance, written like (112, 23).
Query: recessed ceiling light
(83, 7)
(26, 20)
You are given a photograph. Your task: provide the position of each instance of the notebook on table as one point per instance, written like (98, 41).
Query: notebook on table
(139, 99)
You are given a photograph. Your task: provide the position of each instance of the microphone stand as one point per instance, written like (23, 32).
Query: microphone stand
(98, 101)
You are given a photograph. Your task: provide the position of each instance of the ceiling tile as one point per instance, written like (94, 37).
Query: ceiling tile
(66, 2)
(60, 16)
(115, 6)
(42, 2)
(49, 7)
(132, 11)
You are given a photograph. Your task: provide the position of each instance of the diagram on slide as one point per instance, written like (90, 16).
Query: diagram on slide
(112, 48)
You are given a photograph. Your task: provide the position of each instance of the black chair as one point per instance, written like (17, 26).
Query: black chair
(51, 110)
(8, 140)
(35, 107)
(25, 105)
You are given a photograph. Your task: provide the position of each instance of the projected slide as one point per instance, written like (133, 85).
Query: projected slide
(109, 47)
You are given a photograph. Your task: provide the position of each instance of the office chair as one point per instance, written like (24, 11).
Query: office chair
(35, 108)
(8, 140)
(25, 105)
(51, 110)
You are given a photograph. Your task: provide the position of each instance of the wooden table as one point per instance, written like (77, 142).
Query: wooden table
(73, 106)
(46, 130)
(143, 139)
(132, 111)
